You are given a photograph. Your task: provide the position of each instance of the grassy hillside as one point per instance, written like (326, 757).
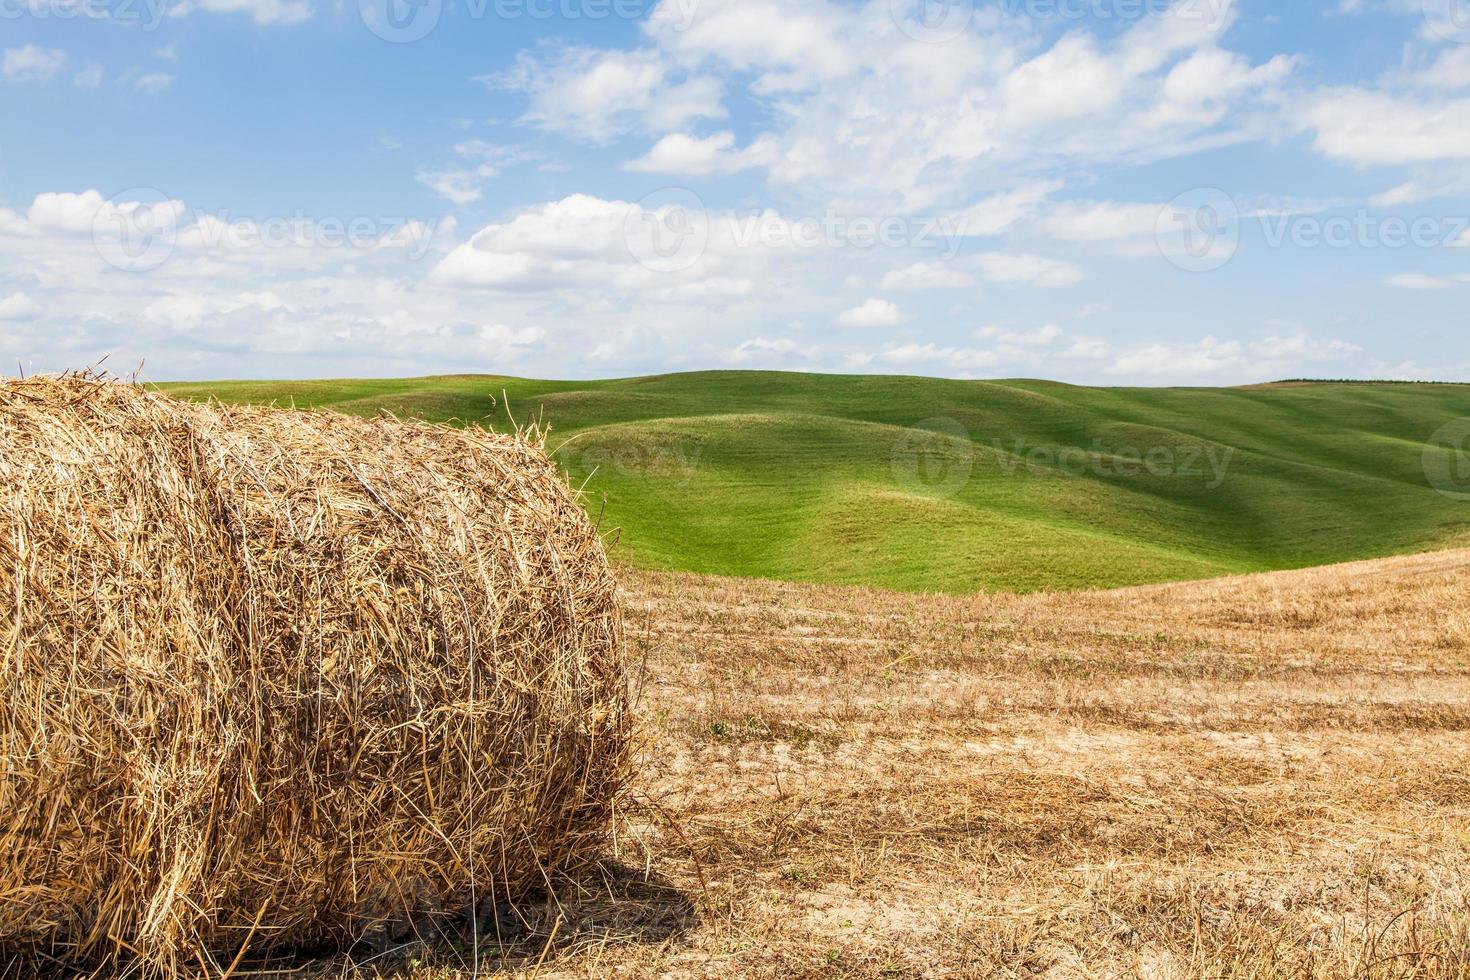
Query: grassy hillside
(929, 484)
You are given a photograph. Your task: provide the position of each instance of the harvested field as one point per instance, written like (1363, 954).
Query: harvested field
(1261, 776)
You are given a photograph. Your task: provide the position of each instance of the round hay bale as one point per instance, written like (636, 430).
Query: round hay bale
(274, 680)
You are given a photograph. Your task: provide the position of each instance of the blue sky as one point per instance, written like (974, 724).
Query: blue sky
(1097, 191)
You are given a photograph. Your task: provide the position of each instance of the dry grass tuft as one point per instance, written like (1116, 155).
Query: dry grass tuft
(279, 679)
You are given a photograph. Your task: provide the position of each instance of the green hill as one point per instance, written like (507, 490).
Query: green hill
(929, 484)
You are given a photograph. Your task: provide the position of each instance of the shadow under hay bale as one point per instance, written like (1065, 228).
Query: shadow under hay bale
(285, 680)
(603, 907)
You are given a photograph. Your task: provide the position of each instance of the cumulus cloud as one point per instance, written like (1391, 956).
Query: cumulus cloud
(476, 163)
(1027, 270)
(597, 95)
(872, 313)
(31, 63)
(1419, 280)
(88, 77)
(1212, 357)
(154, 81)
(1048, 349)
(266, 13)
(869, 113)
(717, 154)
(1373, 127)
(925, 276)
(18, 306)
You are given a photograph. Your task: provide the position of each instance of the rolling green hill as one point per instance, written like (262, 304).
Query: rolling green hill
(929, 484)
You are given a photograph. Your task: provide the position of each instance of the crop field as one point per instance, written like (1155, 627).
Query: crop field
(1260, 776)
(958, 486)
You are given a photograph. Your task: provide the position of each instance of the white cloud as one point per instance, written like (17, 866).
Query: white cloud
(1072, 80)
(678, 153)
(1027, 270)
(1366, 127)
(31, 63)
(597, 95)
(154, 81)
(1100, 221)
(18, 306)
(924, 276)
(266, 13)
(234, 297)
(81, 214)
(577, 238)
(1043, 336)
(1001, 212)
(88, 77)
(476, 163)
(872, 313)
(1050, 349)
(1409, 192)
(871, 118)
(932, 357)
(1212, 358)
(1418, 280)
(546, 287)
(779, 350)
(459, 186)
(787, 46)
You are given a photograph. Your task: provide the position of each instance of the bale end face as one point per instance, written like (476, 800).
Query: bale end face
(279, 679)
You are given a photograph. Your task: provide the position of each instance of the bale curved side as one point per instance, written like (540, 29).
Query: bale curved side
(276, 679)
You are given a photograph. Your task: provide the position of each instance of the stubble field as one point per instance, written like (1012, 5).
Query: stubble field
(1263, 776)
